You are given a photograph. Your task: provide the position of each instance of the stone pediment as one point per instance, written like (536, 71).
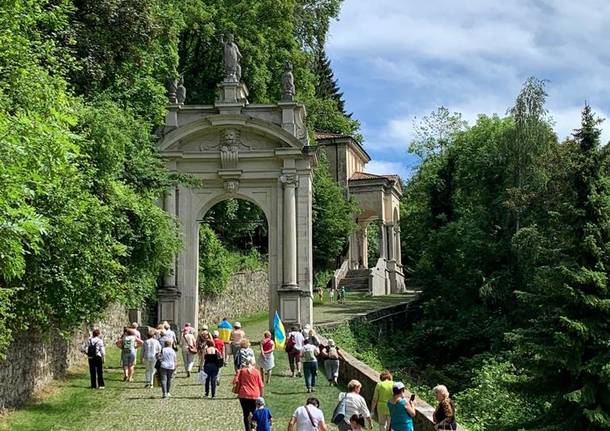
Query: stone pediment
(227, 133)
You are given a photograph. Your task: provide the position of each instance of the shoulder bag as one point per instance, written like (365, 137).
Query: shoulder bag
(315, 427)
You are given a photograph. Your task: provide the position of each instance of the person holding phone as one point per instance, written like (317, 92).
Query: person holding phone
(402, 411)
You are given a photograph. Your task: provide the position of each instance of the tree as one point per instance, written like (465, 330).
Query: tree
(332, 218)
(564, 347)
(434, 133)
(326, 84)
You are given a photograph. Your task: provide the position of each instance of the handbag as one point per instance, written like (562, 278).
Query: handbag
(339, 412)
(202, 377)
(193, 349)
(314, 426)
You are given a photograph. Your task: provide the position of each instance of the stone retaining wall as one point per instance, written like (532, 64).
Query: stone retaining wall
(247, 293)
(386, 318)
(34, 359)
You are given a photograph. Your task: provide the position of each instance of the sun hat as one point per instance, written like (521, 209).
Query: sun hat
(260, 401)
(237, 325)
(204, 327)
(331, 342)
(215, 334)
(397, 386)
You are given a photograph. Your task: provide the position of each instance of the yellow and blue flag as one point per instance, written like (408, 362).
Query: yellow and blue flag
(224, 330)
(279, 333)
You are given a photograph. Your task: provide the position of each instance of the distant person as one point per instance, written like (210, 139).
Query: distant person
(135, 326)
(401, 410)
(294, 348)
(202, 339)
(128, 345)
(248, 385)
(188, 344)
(94, 348)
(444, 415)
(151, 348)
(262, 416)
(382, 394)
(168, 365)
(235, 340)
(220, 346)
(211, 364)
(354, 405)
(331, 293)
(169, 332)
(341, 295)
(332, 355)
(267, 359)
(308, 417)
(245, 353)
(321, 294)
(310, 365)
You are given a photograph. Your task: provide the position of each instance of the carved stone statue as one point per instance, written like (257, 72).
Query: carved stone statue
(232, 57)
(229, 149)
(171, 86)
(181, 90)
(231, 186)
(288, 89)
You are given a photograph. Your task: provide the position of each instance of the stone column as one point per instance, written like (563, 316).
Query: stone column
(397, 242)
(383, 244)
(390, 236)
(365, 247)
(290, 231)
(169, 280)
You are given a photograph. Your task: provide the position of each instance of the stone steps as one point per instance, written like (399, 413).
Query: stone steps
(356, 280)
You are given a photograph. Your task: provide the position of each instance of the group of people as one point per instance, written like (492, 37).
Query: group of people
(332, 292)
(305, 352)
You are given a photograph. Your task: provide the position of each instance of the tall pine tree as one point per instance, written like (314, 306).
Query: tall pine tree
(326, 84)
(566, 348)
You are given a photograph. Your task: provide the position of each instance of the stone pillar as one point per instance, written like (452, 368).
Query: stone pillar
(169, 280)
(389, 228)
(365, 247)
(290, 231)
(168, 295)
(397, 242)
(383, 244)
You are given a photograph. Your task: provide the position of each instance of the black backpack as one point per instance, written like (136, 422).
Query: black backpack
(91, 350)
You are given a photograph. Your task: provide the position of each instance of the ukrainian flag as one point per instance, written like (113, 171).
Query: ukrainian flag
(279, 333)
(224, 330)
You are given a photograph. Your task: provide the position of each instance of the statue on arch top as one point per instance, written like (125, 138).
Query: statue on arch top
(288, 88)
(181, 90)
(232, 57)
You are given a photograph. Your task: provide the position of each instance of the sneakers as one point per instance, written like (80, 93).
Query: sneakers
(101, 387)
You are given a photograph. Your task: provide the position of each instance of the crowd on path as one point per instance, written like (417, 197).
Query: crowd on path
(229, 344)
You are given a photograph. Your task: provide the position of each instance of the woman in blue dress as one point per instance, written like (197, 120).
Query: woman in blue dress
(402, 410)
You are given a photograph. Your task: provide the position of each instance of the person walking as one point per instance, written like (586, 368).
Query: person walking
(248, 385)
(354, 405)
(401, 410)
(310, 365)
(188, 344)
(332, 355)
(170, 333)
(444, 414)
(267, 358)
(235, 341)
(262, 416)
(95, 351)
(128, 345)
(245, 353)
(294, 348)
(308, 417)
(382, 394)
(211, 365)
(151, 348)
(168, 365)
(220, 346)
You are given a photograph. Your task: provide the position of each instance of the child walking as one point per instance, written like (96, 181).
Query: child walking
(262, 416)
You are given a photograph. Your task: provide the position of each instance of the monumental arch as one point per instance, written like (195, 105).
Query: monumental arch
(255, 152)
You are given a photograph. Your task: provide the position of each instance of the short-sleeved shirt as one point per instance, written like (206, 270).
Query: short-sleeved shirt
(309, 353)
(129, 344)
(303, 421)
(168, 358)
(355, 404)
(383, 393)
(150, 349)
(262, 417)
(401, 419)
(298, 340)
(250, 383)
(99, 346)
(220, 345)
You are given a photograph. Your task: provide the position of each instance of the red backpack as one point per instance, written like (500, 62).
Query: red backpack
(290, 343)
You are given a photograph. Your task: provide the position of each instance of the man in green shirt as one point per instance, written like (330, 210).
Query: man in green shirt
(383, 393)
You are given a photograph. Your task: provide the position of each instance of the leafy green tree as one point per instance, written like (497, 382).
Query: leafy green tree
(564, 346)
(332, 218)
(215, 267)
(434, 133)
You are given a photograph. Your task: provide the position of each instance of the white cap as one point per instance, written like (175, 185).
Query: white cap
(397, 386)
(237, 325)
(204, 327)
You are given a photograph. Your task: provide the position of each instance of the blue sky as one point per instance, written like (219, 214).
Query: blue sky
(400, 59)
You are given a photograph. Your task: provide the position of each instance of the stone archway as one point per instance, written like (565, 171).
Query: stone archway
(255, 152)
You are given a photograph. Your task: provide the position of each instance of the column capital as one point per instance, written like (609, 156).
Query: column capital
(289, 180)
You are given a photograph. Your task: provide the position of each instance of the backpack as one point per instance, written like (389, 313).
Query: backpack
(308, 355)
(91, 350)
(290, 343)
(332, 353)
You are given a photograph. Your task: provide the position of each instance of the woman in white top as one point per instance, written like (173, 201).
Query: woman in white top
(308, 417)
(151, 348)
(188, 343)
(354, 404)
